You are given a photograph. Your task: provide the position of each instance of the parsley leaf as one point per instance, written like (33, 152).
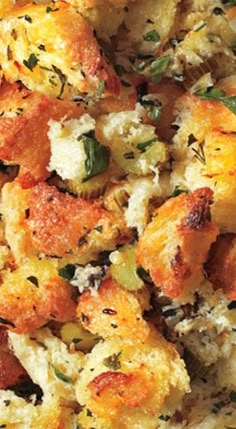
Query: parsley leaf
(67, 272)
(62, 376)
(145, 145)
(97, 160)
(158, 68)
(31, 62)
(152, 36)
(218, 94)
(113, 361)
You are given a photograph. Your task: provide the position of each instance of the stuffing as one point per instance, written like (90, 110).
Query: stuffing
(33, 294)
(221, 264)
(14, 208)
(56, 372)
(79, 159)
(54, 52)
(24, 126)
(20, 414)
(204, 150)
(134, 145)
(58, 368)
(126, 386)
(64, 226)
(105, 313)
(176, 265)
(146, 18)
(117, 226)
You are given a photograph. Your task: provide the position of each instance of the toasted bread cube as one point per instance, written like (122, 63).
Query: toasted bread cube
(24, 126)
(52, 49)
(112, 311)
(123, 383)
(33, 294)
(175, 244)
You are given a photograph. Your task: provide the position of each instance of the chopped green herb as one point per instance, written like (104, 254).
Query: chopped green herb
(82, 240)
(177, 191)
(67, 271)
(98, 228)
(41, 47)
(119, 69)
(89, 413)
(200, 154)
(62, 376)
(31, 62)
(26, 17)
(145, 145)
(34, 280)
(113, 361)
(114, 326)
(200, 27)
(152, 36)
(218, 94)
(158, 68)
(7, 402)
(62, 79)
(101, 87)
(97, 160)
(164, 418)
(48, 9)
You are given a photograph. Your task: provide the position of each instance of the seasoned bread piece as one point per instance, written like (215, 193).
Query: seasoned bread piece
(52, 49)
(204, 150)
(61, 225)
(24, 126)
(42, 219)
(126, 385)
(175, 244)
(221, 265)
(112, 311)
(33, 294)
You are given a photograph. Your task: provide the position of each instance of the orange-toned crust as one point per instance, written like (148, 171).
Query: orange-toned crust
(221, 265)
(113, 388)
(112, 311)
(26, 307)
(58, 222)
(64, 34)
(175, 244)
(23, 137)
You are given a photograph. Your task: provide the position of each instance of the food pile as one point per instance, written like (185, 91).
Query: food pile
(118, 226)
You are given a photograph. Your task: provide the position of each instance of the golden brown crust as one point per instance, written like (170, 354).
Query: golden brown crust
(30, 296)
(221, 264)
(175, 244)
(24, 127)
(105, 313)
(58, 222)
(63, 47)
